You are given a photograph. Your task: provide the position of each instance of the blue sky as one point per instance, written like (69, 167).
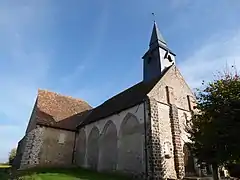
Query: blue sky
(92, 49)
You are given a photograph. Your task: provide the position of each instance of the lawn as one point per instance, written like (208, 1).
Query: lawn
(4, 166)
(62, 174)
(4, 172)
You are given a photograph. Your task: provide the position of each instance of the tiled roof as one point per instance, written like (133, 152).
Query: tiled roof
(126, 99)
(65, 112)
(57, 110)
(69, 123)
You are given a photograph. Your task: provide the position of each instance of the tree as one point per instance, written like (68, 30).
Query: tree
(216, 124)
(12, 155)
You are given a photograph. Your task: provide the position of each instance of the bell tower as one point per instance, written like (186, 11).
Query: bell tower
(158, 57)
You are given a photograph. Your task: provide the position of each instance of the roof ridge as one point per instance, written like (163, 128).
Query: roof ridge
(123, 100)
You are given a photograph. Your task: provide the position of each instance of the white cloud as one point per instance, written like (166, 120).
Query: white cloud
(218, 51)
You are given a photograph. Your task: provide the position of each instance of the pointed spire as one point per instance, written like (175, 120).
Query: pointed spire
(156, 36)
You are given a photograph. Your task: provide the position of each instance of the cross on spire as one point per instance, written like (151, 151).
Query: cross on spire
(153, 15)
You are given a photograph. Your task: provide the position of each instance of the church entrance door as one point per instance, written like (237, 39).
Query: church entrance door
(188, 162)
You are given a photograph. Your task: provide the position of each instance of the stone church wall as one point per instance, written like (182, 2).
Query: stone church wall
(184, 119)
(166, 140)
(192, 166)
(46, 147)
(115, 143)
(173, 79)
(173, 97)
(57, 147)
(32, 144)
(160, 142)
(19, 153)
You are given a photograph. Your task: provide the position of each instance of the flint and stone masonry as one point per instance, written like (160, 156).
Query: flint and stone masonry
(34, 141)
(178, 149)
(176, 134)
(156, 168)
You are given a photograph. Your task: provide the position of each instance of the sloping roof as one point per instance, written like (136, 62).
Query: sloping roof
(126, 99)
(57, 110)
(69, 123)
(65, 112)
(156, 36)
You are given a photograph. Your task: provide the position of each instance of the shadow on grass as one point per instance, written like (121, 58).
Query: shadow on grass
(4, 173)
(69, 174)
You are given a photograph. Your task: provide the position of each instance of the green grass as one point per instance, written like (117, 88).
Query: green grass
(4, 172)
(65, 174)
(4, 166)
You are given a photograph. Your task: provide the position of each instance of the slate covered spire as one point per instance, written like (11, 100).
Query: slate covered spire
(158, 57)
(156, 37)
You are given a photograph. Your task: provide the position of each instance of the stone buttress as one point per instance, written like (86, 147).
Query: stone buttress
(156, 163)
(176, 134)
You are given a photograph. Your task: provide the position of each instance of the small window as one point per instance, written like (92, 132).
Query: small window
(170, 58)
(61, 138)
(167, 149)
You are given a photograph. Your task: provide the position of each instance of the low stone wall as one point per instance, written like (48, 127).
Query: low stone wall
(33, 143)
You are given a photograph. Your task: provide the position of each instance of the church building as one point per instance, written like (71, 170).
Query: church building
(140, 132)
